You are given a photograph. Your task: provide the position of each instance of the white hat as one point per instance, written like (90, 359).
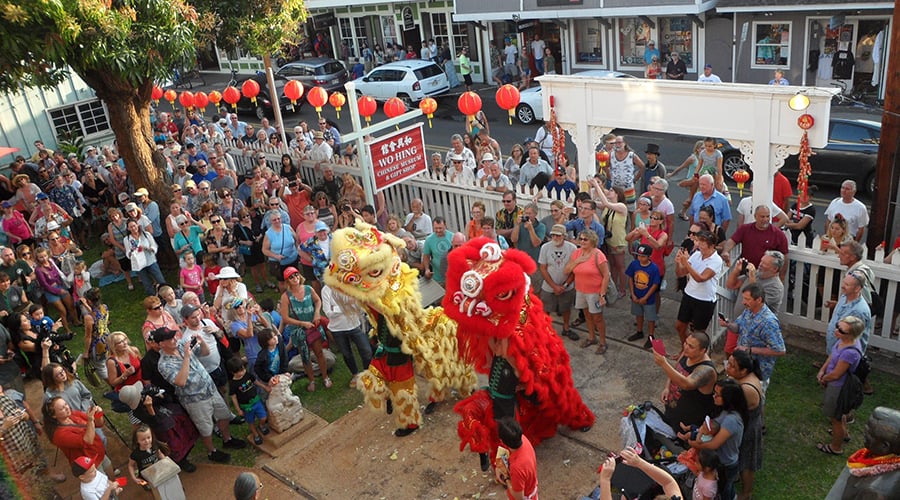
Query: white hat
(131, 394)
(227, 272)
(455, 157)
(487, 157)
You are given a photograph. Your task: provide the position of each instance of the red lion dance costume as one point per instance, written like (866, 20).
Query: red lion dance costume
(504, 331)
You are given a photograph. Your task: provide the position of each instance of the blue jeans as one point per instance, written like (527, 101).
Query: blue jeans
(358, 337)
(148, 275)
(539, 65)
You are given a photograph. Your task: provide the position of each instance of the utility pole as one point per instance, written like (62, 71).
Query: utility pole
(887, 174)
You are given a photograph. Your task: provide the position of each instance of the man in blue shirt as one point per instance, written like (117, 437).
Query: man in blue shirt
(434, 255)
(650, 52)
(193, 155)
(759, 331)
(707, 195)
(585, 220)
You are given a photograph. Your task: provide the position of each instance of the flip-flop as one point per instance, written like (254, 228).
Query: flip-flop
(588, 342)
(601, 349)
(846, 438)
(578, 322)
(826, 448)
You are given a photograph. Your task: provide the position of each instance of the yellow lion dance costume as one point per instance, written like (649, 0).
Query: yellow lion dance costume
(365, 264)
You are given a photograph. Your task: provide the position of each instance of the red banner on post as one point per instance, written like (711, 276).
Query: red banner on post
(397, 156)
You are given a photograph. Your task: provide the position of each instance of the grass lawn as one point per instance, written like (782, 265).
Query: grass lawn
(792, 468)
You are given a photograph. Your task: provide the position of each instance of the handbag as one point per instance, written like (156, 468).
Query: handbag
(612, 294)
(244, 249)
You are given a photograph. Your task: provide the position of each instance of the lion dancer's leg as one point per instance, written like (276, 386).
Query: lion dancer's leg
(406, 405)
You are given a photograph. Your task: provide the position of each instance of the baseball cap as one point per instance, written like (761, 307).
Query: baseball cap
(190, 145)
(190, 183)
(290, 271)
(142, 192)
(187, 310)
(644, 250)
(131, 206)
(42, 196)
(321, 226)
(161, 334)
(82, 465)
(123, 197)
(558, 229)
(708, 66)
(7, 204)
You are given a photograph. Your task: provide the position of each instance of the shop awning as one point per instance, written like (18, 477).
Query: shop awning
(755, 6)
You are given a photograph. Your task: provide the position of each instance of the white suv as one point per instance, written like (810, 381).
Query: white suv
(411, 80)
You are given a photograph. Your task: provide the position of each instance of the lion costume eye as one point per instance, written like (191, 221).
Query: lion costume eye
(506, 295)
(374, 273)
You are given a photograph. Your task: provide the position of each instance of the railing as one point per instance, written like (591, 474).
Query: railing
(799, 307)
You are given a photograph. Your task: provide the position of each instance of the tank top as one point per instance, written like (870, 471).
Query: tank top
(282, 242)
(688, 406)
(622, 171)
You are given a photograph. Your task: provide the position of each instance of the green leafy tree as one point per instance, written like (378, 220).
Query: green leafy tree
(260, 27)
(118, 47)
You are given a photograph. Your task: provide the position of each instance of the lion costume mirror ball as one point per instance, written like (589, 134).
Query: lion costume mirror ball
(504, 331)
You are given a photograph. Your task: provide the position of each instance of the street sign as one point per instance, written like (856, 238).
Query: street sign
(409, 21)
(397, 156)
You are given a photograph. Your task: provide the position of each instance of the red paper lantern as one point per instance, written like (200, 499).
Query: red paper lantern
(428, 107)
(508, 98)
(394, 107)
(367, 107)
(215, 97)
(293, 90)
(170, 96)
(231, 96)
(201, 101)
(469, 103)
(156, 94)
(187, 100)
(250, 89)
(806, 121)
(741, 176)
(317, 96)
(602, 157)
(337, 100)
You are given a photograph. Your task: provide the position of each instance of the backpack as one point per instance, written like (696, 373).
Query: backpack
(851, 396)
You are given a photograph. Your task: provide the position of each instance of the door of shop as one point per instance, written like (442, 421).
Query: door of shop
(718, 47)
(550, 34)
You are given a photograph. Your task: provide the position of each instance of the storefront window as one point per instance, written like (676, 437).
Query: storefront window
(634, 37)
(588, 41)
(388, 30)
(346, 35)
(676, 34)
(771, 45)
(461, 36)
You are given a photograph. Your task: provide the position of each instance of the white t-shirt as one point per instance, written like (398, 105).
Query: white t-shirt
(745, 209)
(556, 258)
(210, 361)
(855, 213)
(95, 489)
(706, 290)
(510, 51)
(709, 79)
(537, 48)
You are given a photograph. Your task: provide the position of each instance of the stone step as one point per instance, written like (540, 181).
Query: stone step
(311, 425)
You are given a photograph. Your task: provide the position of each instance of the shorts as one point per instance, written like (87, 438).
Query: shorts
(468, 79)
(648, 311)
(200, 411)
(561, 303)
(254, 411)
(277, 269)
(830, 402)
(51, 298)
(308, 273)
(696, 312)
(589, 301)
(218, 375)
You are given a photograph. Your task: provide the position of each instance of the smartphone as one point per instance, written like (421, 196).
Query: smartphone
(658, 345)
(723, 318)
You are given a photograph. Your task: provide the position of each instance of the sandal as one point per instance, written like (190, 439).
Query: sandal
(588, 342)
(328, 383)
(846, 438)
(311, 387)
(578, 322)
(601, 349)
(683, 216)
(826, 448)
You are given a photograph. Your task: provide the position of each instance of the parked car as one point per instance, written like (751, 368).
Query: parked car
(330, 74)
(263, 107)
(411, 80)
(531, 108)
(851, 153)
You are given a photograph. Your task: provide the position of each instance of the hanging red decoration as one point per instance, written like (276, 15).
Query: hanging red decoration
(156, 94)
(215, 97)
(187, 100)
(170, 96)
(508, 98)
(602, 157)
(806, 121)
(231, 96)
(317, 96)
(428, 107)
(741, 176)
(250, 89)
(201, 100)
(469, 103)
(337, 100)
(293, 90)
(367, 107)
(805, 168)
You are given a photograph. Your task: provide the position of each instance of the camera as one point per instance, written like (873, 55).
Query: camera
(153, 391)
(526, 218)
(194, 342)
(346, 208)
(743, 267)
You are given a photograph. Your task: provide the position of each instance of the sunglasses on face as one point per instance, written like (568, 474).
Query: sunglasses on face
(215, 221)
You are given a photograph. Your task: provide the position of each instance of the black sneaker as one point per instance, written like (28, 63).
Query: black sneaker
(431, 407)
(219, 456)
(237, 420)
(636, 336)
(648, 344)
(235, 443)
(405, 431)
(257, 440)
(264, 429)
(187, 466)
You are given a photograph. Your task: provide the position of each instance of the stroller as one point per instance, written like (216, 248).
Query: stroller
(643, 425)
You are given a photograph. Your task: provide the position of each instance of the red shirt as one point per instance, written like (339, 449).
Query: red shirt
(781, 191)
(296, 202)
(523, 470)
(755, 243)
(70, 438)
